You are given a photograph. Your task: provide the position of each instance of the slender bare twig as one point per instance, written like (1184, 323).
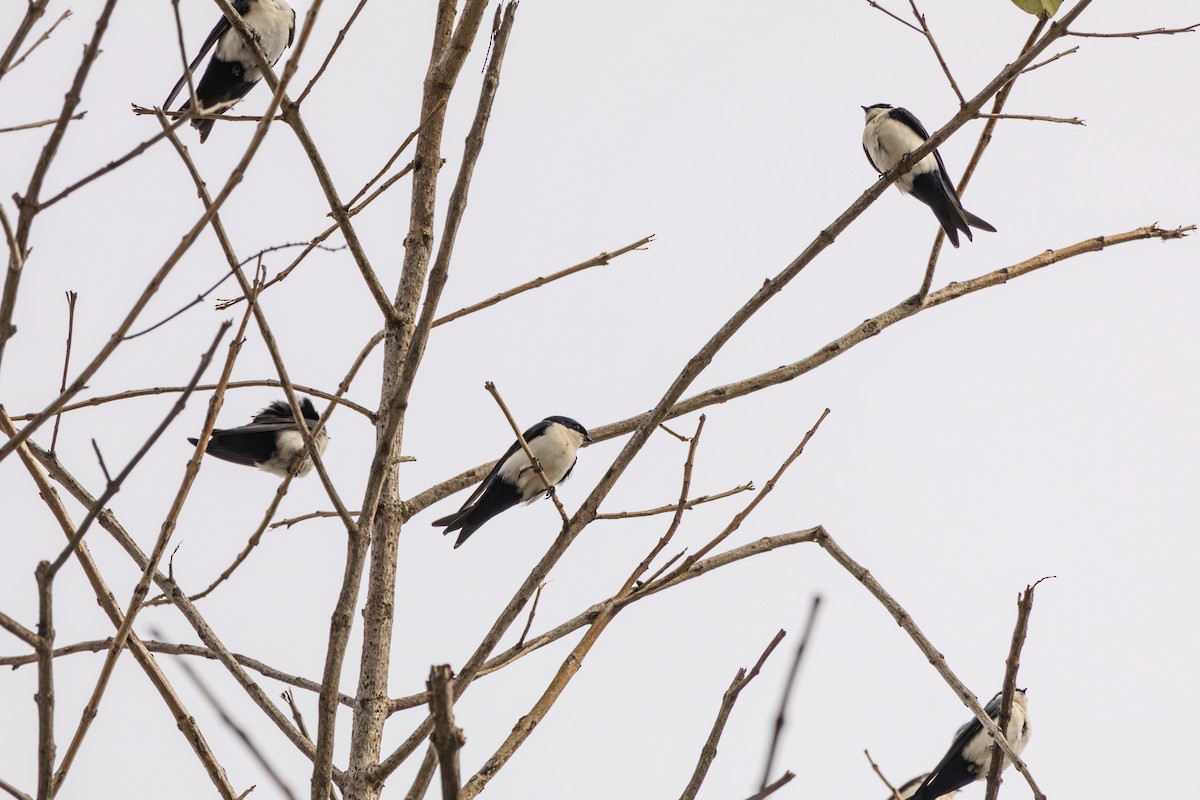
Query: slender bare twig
(896, 17)
(529, 622)
(905, 621)
(787, 689)
(14, 791)
(1136, 34)
(208, 387)
(112, 165)
(601, 260)
(1008, 692)
(895, 792)
(10, 67)
(420, 784)
(537, 465)
(21, 632)
(41, 124)
(332, 51)
(501, 660)
(447, 738)
(772, 788)
(151, 646)
(1031, 118)
(962, 101)
(709, 752)
(1050, 60)
(256, 257)
(672, 507)
(71, 298)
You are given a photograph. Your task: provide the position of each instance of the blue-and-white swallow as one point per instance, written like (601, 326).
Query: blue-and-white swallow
(554, 442)
(970, 756)
(232, 72)
(891, 134)
(271, 441)
(906, 790)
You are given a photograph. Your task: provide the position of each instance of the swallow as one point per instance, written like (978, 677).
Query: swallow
(271, 441)
(970, 755)
(554, 442)
(892, 133)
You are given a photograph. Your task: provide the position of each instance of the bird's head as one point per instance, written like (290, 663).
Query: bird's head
(874, 111)
(571, 424)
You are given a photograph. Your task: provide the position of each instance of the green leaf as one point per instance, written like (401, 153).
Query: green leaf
(1039, 8)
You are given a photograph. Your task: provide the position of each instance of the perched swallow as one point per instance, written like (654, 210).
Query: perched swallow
(271, 441)
(891, 134)
(907, 789)
(970, 756)
(554, 442)
(231, 72)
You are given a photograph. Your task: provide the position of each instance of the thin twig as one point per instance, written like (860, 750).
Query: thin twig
(208, 387)
(529, 622)
(601, 260)
(899, 19)
(537, 465)
(1050, 60)
(671, 507)
(1008, 692)
(100, 645)
(71, 298)
(787, 689)
(962, 101)
(43, 123)
(772, 788)
(1136, 34)
(894, 791)
(709, 752)
(14, 791)
(1031, 118)
(40, 39)
(420, 784)
(24, 634)
(332, 51)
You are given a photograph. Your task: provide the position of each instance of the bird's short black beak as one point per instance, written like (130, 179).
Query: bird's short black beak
(864, 108)
(588, 439)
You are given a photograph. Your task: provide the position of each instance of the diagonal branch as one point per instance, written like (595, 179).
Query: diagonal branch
(709, 752)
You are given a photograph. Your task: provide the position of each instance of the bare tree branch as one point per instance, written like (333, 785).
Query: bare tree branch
(787, 689)
(447, 738)
(709, 751)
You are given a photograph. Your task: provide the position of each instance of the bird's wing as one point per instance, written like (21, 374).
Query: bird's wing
(905, 117)
(217, 32)
(961, 737)
(870, 160)
(292, 30)
(241, 7)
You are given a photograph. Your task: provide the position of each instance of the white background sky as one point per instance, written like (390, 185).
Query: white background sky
(1048, 427)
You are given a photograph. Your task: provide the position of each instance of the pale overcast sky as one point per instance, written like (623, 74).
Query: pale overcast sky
(1045, 427)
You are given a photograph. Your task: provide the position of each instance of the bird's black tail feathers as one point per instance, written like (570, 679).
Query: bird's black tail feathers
(496, 498)
(976, 222)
